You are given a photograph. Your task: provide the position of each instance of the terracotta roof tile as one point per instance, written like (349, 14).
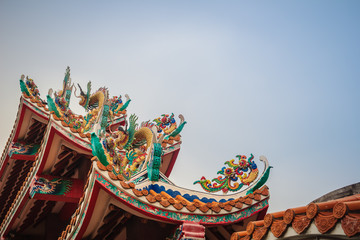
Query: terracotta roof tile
(101, 166)
(257, 197)
(120, 177)
(178, 205)
(340, 209)
(190, 207)
(265, 191)
(325, 221)
(239, 205)
(198, 203)
(248, 201)
(112, 176)
(289, 216)
(251, 195)
(124, 185)
(259, 233)
(216, 209)
(211, 204)
(228, 207)
(252, 225)
(164, 202)
(204, 208)
(109, 168)
(350, 225)
(300, 223)
(150, 198)
(183, 200)
(324, 215)
(172, 201)
(232, 202)
(137, 192)
(165, 194)
(278, 228)
(158, 197)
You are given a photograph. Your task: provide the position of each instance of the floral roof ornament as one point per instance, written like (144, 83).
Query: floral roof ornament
(234, 176)
(167, 126)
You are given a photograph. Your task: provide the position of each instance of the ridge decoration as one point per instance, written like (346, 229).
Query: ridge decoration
(118, 141)
(132, 148)
(101, 110)
(236, 175)
(29, 88)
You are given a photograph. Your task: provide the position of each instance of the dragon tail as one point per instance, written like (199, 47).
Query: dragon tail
(52, 106)
(98, 150)
(132, 128)
(262, 181)
(23, 86)
(125, 105)
(177, 130)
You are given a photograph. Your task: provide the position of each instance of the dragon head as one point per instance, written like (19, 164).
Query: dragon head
(43, 185)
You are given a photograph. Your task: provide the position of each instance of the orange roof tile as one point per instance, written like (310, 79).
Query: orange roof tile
(324, 216)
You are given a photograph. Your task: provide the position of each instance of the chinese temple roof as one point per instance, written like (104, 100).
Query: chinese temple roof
(338, 219)
(105, 165)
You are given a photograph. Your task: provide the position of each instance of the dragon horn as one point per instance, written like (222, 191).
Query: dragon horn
(81, 91)
(181, 117)
(73, 86)
(50, 92)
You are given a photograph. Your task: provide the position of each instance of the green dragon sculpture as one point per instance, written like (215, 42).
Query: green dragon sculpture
(131, 148)
(118, 149)
(100, 108)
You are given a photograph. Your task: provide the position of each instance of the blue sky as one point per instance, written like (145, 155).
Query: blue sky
(278, 78)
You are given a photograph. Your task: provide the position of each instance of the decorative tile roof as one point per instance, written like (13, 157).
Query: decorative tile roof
(179, 202)
(164, 199)
(30, 92)
(323, 216)
(118, 156)
(124, 140)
